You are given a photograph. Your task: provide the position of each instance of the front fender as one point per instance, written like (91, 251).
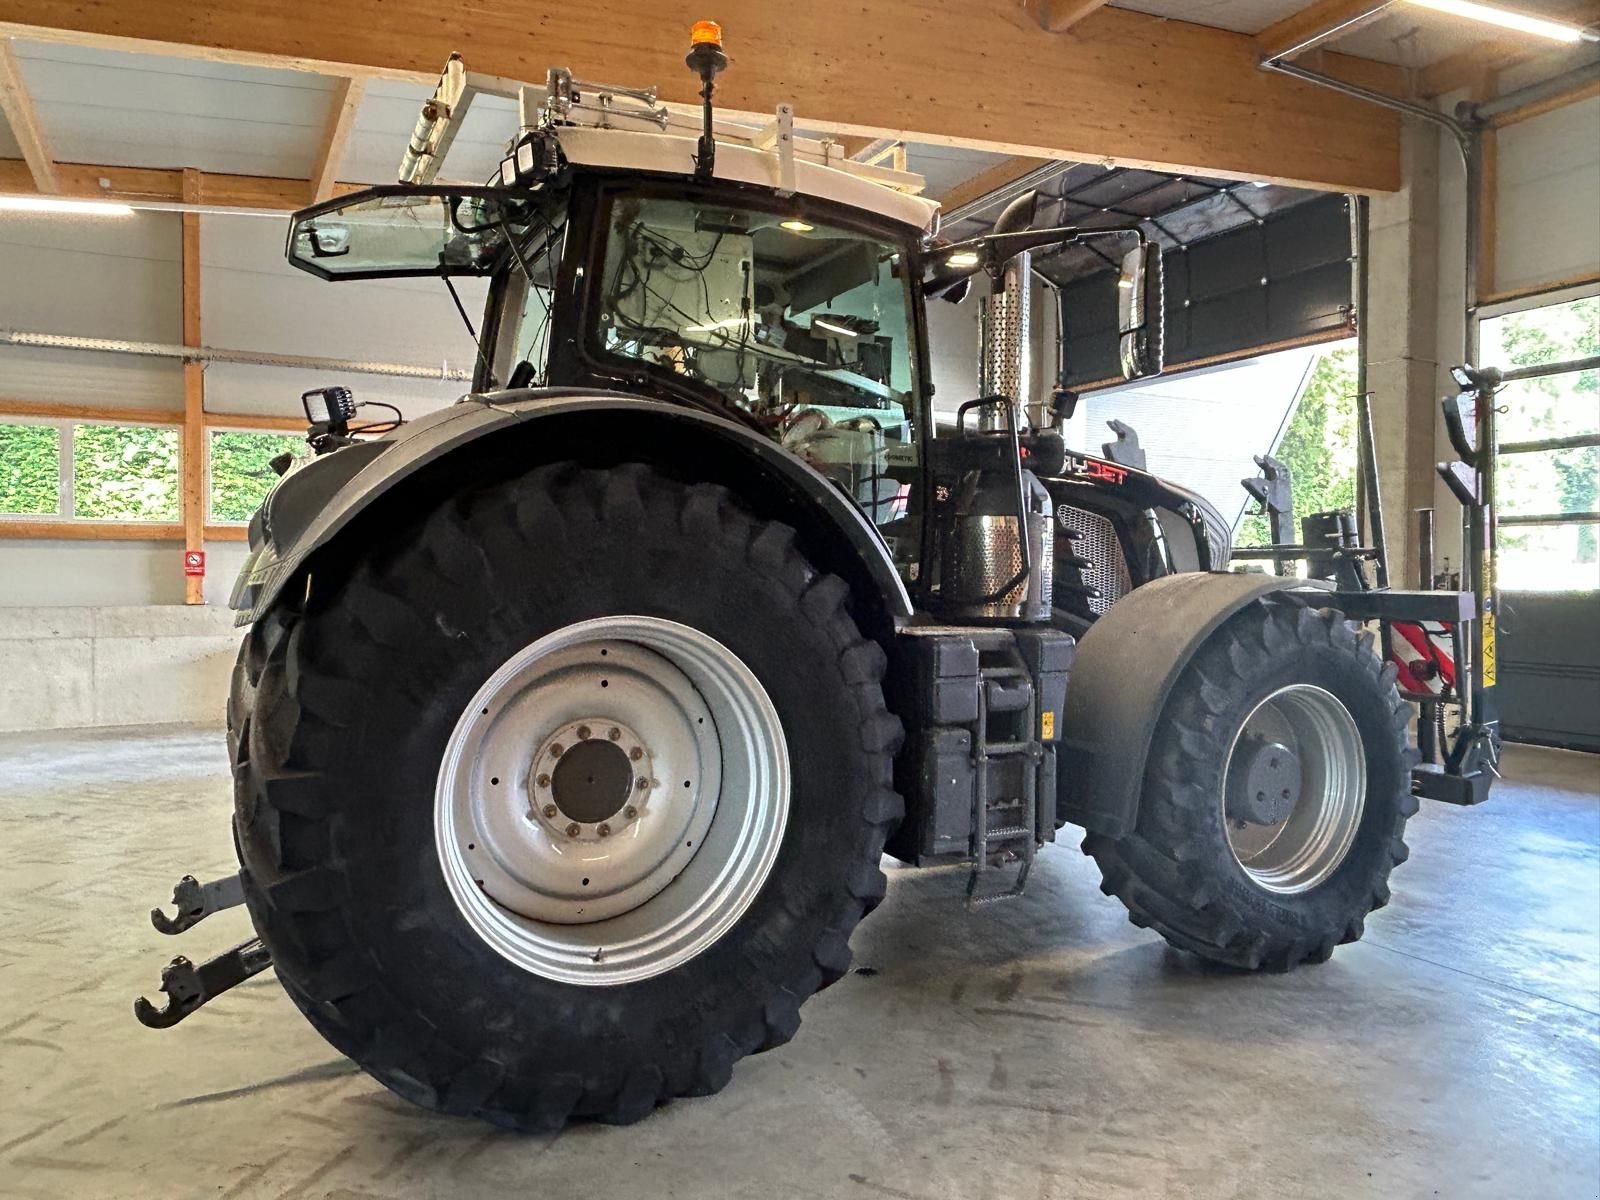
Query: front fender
(1126, 666)
(310, 508)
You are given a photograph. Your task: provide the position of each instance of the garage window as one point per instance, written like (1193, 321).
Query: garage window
(241, 471)
(1548, 482)
(30, 470)
(89, 471)
(125, 472)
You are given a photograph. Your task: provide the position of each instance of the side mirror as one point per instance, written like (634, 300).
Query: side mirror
(1141, 316)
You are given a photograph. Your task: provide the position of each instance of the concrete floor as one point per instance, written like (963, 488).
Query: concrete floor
(1042, 1048)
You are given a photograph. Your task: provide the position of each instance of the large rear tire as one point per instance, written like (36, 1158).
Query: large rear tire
(1275, 797)
(406, 831)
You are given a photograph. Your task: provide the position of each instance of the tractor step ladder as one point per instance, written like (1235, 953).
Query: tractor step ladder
(1004, 691)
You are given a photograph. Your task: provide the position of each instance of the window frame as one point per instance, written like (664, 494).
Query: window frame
(66, 499)
(1529, 304)
(211, 519)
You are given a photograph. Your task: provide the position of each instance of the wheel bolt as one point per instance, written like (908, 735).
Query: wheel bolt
(555, 750)
(643, 784)
(636, 754)
(542, 781)
(615, 733)
(572, 829)
(583, 733)
(604, 830)
(550, 811)
(630, 812)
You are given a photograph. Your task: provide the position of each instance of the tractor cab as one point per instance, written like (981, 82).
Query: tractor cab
(750, 273)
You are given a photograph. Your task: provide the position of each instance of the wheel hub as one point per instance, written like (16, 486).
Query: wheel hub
(1264, 785)
(590, 778)
(1294, 787)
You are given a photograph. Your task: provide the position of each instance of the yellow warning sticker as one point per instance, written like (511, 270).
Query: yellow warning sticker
(1486, 659)
(1047, 726)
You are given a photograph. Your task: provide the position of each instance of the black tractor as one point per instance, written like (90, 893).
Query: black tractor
(573, 720)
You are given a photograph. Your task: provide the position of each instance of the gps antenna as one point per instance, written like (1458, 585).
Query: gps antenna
(706, 60)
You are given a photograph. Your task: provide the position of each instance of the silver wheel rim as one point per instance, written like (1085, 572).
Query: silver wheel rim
(1303, 848)
(612, 800)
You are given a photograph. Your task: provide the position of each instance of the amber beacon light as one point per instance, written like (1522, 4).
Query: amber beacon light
(705, 33)
(706, 59)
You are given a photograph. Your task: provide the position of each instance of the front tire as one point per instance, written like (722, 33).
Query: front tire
(372, 756)
(1275, 797)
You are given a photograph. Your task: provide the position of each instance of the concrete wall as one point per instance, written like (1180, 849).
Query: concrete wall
(68, 667)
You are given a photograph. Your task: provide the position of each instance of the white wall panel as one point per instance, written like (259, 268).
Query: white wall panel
(275, 391)
(1549, 197)
(252, 299)
(117, 277)
(73, 573)
(45, 573)
(39, 375)
(111, 107)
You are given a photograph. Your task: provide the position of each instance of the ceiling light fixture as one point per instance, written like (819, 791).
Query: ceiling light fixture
(72, 208)
(962, 258)
(1507, 19)
(796, 225)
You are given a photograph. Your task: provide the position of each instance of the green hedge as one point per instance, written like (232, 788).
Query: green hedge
(30, 470)
(241, 470)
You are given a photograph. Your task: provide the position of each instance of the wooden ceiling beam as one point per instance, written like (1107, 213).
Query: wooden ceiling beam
(19, 111)
(1322, 21)
(82, 181)
(347, 95)
(1058, 16)
(1145, 91)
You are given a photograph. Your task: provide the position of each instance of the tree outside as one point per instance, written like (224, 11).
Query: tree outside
(1318, 447)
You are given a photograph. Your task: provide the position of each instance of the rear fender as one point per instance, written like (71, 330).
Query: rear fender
(312, 509)
(1126, 666)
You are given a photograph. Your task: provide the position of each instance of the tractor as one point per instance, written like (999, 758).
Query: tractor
(573, 720)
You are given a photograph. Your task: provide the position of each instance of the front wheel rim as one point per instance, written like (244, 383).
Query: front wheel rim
(612, 800)
(1307, 732)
